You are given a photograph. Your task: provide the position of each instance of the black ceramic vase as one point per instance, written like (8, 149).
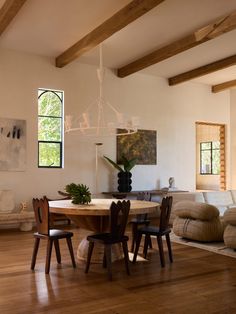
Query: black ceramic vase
(124, 181)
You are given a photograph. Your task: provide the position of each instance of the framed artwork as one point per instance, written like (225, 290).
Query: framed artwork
(140, 145)
(12, 145)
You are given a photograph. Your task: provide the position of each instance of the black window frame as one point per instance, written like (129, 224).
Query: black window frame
(211, 149)
(60, 143)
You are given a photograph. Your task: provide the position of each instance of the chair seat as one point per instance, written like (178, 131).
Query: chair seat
(106, 238)
(55, 233)
(140, 221)
(153, 230)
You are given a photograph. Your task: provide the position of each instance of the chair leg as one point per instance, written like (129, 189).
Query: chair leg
(90, 251)
(126, 256)
(48, 258)
(57, 249)
(169, 247)
(138, 240)
(146, 243)
(35, 251)
(134, 236)
(70, 247)
(161, 252)
(104, 262)
(108, 259)
(150, 242)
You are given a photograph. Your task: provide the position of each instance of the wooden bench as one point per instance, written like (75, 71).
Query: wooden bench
(25, 219)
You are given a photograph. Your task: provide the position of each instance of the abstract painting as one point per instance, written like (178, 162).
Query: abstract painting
(140, 145)
(12, 145)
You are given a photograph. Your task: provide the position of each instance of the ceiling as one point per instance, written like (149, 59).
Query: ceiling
(49, 27)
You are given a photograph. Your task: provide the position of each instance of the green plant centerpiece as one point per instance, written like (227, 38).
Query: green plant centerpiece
(124, 174)
(79, 193)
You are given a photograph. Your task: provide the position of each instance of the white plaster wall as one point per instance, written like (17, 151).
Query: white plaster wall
(172, 111)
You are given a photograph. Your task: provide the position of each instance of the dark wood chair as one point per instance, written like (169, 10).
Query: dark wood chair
(41, 210)
(159, 232)
(140, 219)
(118, 220)
(59, 217)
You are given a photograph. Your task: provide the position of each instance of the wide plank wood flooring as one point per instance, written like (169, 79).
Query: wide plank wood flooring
(197, 282)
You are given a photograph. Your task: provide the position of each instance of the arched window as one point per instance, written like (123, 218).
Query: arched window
(50, 128)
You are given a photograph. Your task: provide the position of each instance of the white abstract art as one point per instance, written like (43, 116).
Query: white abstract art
(12, 145)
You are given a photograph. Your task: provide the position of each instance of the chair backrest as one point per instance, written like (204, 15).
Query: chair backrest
(143, 196)
(41, 212)
(119, 213)
(165, 208)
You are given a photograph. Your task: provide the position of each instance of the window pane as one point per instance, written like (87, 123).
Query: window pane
(49, 104)
(216, 161)
(49, 129)
(216, 145)
(206, 145)
(206, 161)
(49, 154)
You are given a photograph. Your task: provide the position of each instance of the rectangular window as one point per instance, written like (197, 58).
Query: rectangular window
(50, 128)
(210, 157)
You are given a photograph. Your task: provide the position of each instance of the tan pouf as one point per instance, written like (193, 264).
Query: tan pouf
(197, 221)
(230, 230)
(199, 230)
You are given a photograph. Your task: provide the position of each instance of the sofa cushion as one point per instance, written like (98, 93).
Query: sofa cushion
(233, 193)
(230, 236)
(199, 230)
(218, 198)
(195, 210)
(230, 216)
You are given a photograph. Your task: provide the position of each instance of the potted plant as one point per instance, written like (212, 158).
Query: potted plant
(124, 174)
(79, 193)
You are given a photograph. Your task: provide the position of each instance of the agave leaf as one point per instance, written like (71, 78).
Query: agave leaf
(129, 164)
(114, 164)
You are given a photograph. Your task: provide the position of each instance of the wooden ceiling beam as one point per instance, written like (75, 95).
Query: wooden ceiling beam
(223, 86)
(203, 70)
(8, 11)
(119, 20)
(220, 26)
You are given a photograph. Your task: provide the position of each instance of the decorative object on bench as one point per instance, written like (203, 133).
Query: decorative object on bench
(159, 232)
(197, 221)
(79, 193)
(124, 174)
(118, 220)
(41, 210)
(140, 219)
(230, 230)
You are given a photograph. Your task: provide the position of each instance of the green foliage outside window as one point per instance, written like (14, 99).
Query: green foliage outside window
(50, 127)
(210, 157)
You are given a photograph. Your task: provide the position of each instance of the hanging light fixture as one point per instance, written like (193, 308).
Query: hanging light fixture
(101, 118)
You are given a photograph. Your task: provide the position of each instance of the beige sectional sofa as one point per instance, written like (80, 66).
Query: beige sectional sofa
(193, 219)
(221, 199)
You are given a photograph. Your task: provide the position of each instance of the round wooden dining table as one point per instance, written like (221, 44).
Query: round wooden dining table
(94, 217)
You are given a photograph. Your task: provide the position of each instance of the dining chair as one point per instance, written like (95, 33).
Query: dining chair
(58, 217)
(41, 211)
(159, 231)
(140, 219)
(119, 213)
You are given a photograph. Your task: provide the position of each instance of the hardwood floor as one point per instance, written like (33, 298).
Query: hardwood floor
(197, 282)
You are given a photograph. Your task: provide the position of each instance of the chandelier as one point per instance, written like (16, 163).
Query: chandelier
(101, 118)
